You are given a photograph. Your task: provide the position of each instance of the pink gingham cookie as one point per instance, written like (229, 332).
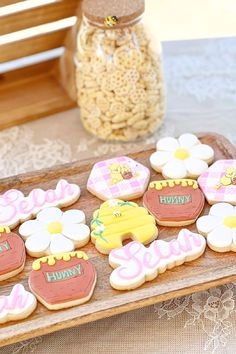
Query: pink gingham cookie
(218, 183)
(118, 178)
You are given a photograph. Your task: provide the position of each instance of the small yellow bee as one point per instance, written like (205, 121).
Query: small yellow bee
(110, 21)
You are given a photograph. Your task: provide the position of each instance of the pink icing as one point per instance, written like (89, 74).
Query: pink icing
(134, 258)
(15, 206)
(17, 300)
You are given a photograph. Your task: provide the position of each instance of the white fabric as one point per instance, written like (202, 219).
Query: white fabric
(201, 83)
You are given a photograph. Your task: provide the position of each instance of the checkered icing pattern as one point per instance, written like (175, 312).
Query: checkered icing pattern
(209, 181)
(100, 179)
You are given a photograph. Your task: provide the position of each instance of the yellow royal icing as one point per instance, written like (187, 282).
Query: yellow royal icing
(181, 154)
(159, 185)
(5, 229)
(55, 227)
(230, 221)
(51, 260)
(117, 220)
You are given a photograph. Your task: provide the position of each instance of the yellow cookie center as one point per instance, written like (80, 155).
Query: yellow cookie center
(181, 154)
(230, 221)
(55, 227)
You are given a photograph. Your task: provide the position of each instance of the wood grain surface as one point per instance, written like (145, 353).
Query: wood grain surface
(209, 270)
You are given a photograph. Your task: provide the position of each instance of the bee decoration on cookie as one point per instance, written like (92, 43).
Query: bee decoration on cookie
(111, 21)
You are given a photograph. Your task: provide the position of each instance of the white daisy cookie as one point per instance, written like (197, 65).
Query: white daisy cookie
(184, 157)
(219, 227)
(54, 231)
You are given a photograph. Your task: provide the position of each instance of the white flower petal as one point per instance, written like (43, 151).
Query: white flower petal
(49, 214)
(174, 169)
(202, 152)
(30, 227)
(159, 159)
(195, 167)
(187, 141)
(220, 239)
(221, 210)
(207, 223)
(233, 246)
(73, 217)
(61, 244)
(38, 242)
(79, 233)
(167, 144)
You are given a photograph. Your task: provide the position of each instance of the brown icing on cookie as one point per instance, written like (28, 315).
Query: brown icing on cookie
(174, 202)
(12, 255)
(63, 280)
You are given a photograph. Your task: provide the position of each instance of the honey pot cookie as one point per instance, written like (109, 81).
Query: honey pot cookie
(174, 202)
(63, 280)
(116, 221)
(120, 177)
(218, 183)
(12, 254)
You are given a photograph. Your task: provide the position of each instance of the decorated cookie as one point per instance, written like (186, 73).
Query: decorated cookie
(219, 227)
(117, 221)
(181, 158)
(218, 183)
(12, 254)
(135, 264)
(18, 305)
(55, 231)
(121, 178)
(63, 280)
(16, 208)
(174, 202)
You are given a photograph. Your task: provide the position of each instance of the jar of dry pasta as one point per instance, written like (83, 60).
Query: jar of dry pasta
(119, 78)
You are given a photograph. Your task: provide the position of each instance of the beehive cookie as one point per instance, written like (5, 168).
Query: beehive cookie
(12, 254)
(174, 202)
(120, 177)
(116, 221)
(63, 280)
(218, 183)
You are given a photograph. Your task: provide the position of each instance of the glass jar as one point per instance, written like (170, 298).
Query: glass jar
(119, 78)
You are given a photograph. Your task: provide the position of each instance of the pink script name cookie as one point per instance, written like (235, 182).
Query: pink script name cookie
(16, 208)
(135, 264)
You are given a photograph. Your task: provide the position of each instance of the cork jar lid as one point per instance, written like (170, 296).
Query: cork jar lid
(113, 13)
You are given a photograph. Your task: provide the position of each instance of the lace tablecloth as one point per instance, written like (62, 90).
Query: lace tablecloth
(201, 83)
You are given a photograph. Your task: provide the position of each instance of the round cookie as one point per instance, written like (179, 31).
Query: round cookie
(184, 157)
(63, 280)
(117, 221)
(174, 202)
(54, 231)
(219, 227)
(218, 183)
(120, 177)
(12, 254)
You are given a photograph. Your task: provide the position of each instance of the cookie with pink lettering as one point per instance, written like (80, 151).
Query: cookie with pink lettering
(12, 253)
(15, 208)
(118, 178)
(63, 280)
(18, 305)
(54, 231)
(136, 264)
(176, 202)
(218, 183)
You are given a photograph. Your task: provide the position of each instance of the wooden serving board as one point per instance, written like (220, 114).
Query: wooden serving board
(209, 270)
